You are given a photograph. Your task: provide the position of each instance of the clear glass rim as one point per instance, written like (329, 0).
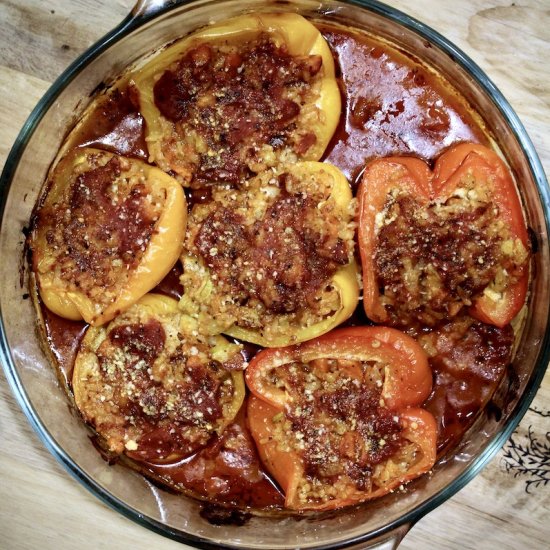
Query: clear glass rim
(129, 24)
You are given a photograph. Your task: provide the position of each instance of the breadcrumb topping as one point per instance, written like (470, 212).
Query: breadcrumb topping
(336, 421)
(152, 389)
(98, 227)
(234, 109)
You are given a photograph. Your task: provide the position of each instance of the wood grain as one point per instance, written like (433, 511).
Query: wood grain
(41, 506)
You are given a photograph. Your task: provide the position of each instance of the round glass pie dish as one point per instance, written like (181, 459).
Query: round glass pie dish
(46, 403)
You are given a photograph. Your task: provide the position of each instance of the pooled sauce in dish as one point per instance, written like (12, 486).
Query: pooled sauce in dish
(117, 126)
(392, 105)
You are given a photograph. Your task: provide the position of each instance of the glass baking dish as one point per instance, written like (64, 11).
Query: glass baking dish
(380, 523)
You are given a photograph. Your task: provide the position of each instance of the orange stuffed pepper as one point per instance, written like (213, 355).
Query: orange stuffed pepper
(435, 243)
(337, 419)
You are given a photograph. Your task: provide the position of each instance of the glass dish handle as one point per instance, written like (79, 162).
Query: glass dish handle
(148, 8)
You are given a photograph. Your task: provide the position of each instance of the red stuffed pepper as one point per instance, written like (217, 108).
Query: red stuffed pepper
(337, 419)
(434, 243)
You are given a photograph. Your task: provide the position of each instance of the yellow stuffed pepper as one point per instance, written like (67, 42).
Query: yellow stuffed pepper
(151, 388)
(110, 228)
(238, 97)
(273, 264)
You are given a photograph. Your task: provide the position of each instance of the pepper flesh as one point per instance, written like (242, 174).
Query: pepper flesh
(407, 383)
(464, 162)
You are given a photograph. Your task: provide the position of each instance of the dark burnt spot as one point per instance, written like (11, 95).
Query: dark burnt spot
(101, 87)
(106, 455)
(220, 515)
(493, 411)
(533, 239)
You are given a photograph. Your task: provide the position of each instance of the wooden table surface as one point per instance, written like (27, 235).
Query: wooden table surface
(506, 507)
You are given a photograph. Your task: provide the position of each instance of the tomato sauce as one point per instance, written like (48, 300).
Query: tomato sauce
(393, 105)
(227, 471)
(64, 338)
(116, 125)
(470, 360)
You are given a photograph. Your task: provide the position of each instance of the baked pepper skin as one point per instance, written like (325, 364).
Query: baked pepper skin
(413, 176)
(344, 281)
(407, 384)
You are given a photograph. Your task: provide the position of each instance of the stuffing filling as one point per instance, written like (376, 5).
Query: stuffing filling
(150, 389)
(98, 228)
(433, 260)
(233, 110)
(337, 422)
(264, 258)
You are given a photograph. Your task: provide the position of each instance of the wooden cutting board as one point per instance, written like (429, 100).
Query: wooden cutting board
(506, 507)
